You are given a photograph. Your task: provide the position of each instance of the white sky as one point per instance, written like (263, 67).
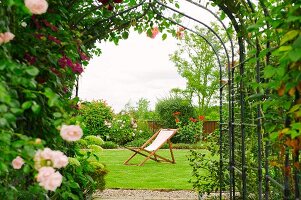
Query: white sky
(138, 67)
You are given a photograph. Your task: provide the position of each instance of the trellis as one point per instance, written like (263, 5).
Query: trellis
(241, 170)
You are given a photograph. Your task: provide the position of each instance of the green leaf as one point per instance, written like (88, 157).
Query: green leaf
(3, 167)
(57, 115)
(297, 42)
(269, 71)
(16, 111)
(3, 122)
(274, 136)
(49, 93)
(26, 105)
(296, 126)
(295, 55)
(33, 71)
(177, 5)
(9, 117)
(294, 108)
(294, 133)
(26, 169)
(289, 36)
(149, 32)
(222, 16)
(53, 101)
(125, 35)
(3, 108)
(164, 36)
(285, 48)
(36, 108)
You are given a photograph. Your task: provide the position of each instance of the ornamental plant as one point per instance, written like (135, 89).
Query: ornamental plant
(189, 133)
(168, 107)
(122, 129)
(96, 115)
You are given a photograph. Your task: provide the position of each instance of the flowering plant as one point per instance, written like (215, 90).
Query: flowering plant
(190, 132)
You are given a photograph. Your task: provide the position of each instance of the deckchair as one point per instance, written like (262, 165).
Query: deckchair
(152, 145)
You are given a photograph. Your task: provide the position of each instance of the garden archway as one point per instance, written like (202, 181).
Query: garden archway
(42, 51)
(239, 122)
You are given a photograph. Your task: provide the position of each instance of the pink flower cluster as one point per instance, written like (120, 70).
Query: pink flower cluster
(37, 7)
(76, 67)
(49, 179)
(45, 162)
(6, 37)
(71, 133)
(48, 157)
(83, 56)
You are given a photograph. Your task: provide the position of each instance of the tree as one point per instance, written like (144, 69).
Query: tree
(196, 63)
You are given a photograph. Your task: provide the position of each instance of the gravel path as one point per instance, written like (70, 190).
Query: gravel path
(119, 194)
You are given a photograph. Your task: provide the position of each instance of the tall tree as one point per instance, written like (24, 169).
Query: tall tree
(196, 62)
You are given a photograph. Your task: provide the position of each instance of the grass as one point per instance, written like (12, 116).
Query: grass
(153, 175)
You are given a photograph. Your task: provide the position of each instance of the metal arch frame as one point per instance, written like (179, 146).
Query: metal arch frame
(230, 130)
(242, 60)
(230, 72)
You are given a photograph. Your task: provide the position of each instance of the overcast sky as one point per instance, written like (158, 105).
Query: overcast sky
(138, 67)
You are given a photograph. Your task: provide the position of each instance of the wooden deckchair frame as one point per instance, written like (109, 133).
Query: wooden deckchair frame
(148, 154)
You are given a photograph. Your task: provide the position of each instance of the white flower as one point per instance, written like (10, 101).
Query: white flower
(23, 24)
(108, 124)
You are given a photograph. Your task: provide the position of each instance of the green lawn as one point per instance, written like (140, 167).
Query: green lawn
(152, 175)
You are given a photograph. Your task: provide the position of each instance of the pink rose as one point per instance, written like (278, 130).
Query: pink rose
(155, 32)
(59, 160)
(49, 179)
(71, 133)
(44, 173)
(36, 6)
(17, 162)
(47, 154)
(6, 37)
(54, 181)
(48, 157)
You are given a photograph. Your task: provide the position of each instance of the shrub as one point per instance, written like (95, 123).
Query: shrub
(95, 114)
(121, 129)
(205, 165)
(109, 145)
(170, 107)
(136, 143)
(190, 132)
(143, 130)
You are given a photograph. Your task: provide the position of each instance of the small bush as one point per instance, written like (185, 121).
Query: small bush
(94, 115)
(109, 145)
(172, 109)
(186, 146)
(190, 132)
(205, 165)
(136, 143)
(121, 129)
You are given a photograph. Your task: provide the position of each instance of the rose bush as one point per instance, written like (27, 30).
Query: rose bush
(44, 47)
